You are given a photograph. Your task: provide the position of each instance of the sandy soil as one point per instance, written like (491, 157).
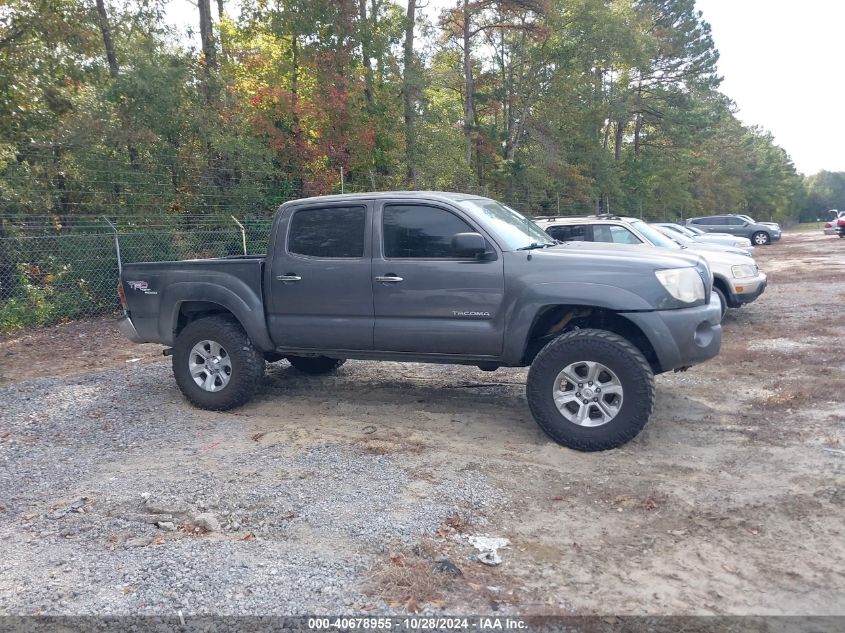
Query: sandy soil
(732, 500)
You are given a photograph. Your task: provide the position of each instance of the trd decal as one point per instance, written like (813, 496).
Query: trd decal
(143, 286)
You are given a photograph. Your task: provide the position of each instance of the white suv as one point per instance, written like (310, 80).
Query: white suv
(736, 278)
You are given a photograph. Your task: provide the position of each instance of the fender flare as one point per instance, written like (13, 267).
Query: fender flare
(244, 305)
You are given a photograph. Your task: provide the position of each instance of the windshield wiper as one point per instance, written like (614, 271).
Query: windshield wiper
(534, 245)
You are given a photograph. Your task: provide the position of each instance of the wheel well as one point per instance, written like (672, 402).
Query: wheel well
(722, 285)
(552, 321)
(192, 310)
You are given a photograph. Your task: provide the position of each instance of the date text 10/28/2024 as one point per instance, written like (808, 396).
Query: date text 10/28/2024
(482, 623)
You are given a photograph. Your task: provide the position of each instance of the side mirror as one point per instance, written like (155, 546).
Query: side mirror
(469, 244)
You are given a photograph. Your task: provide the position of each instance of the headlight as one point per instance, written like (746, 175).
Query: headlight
(682, 283)
(740, 245)
(744, 270)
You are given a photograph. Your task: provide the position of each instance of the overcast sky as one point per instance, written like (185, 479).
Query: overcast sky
(783, 64)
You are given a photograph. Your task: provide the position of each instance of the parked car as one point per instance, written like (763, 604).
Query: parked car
(688, 242)
(440, 278)
(774, 225)
(721, 239)
(736, 278)
(832, 227)
(731, 279)
(759, 234)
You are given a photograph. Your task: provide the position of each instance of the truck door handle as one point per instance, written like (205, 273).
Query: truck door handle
(288, 277)
(388, 279)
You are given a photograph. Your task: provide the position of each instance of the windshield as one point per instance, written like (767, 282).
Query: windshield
(683, 230)
(694, 230)
(653, 235)
(515, 229)
(681, 238)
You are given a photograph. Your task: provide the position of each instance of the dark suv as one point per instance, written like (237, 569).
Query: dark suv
(759, 233)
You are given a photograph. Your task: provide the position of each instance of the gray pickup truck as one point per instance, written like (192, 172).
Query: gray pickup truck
(440, 278)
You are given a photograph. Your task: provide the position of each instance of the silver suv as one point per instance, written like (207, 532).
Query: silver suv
(760, 233)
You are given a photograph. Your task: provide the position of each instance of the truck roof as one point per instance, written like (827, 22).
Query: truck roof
(374, 195)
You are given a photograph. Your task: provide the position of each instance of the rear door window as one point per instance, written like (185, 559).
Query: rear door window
(568, 232)
(328, 232)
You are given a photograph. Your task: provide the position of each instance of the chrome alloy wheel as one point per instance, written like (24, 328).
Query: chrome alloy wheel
(587, 393)
(210, 365)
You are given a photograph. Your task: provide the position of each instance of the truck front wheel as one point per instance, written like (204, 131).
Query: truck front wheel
(215, 364)
(590, 390)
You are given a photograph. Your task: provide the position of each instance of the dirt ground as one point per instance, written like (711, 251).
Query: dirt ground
(732, 500)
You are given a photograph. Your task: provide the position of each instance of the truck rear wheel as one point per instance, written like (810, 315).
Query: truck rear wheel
(590, 390)
(215, 364)
(315, 364)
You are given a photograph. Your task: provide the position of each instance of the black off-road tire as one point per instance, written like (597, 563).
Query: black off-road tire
(247, 363)
(315, 365)
(763, 238)
(722, 299)
(618, 355)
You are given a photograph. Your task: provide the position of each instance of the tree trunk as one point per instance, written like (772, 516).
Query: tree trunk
(114, 71)
(294, 89)
(469, 86)
(366, 52)
(617, 141)
(105, 29)
(638, 123)
(207, 34)
(220, 14)
(209, 51)
(408, 89)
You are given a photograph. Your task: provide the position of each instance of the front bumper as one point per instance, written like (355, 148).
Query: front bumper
(682, 337)
(127, 328)
(746, 291)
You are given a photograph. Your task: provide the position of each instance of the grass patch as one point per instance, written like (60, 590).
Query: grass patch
(805, 227)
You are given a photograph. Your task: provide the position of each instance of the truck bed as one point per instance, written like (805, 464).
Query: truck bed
(157, 292)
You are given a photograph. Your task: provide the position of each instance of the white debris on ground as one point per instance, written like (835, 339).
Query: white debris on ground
(488, 548)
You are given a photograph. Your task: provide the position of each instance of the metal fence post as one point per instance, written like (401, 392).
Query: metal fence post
(243, 231)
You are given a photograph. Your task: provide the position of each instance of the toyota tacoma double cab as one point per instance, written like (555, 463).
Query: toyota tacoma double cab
(439, 278)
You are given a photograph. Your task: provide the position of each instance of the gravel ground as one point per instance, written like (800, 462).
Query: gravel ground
(340, 493)
(93, 465)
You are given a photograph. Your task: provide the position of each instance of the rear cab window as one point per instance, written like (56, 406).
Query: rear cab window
(328, 232)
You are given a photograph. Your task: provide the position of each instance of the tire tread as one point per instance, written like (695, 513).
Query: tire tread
(246, 380)
(546, 361)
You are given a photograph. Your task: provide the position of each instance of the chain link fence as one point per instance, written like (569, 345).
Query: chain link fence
(54, 270)
(57, 249)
